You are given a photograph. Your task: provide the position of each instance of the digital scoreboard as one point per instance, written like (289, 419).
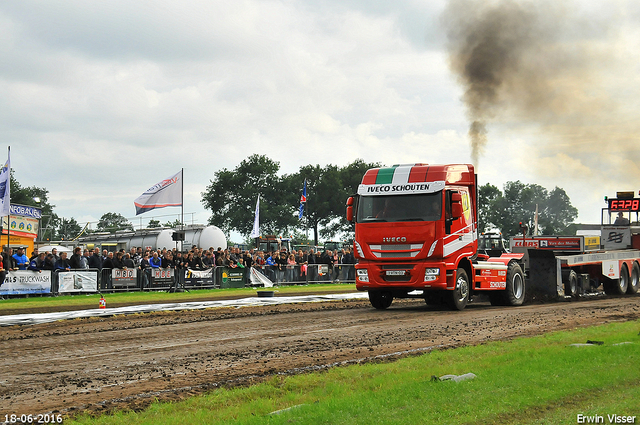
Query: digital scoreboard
(624, 204)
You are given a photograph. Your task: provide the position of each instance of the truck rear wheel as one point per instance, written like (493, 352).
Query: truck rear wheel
(571, 285)
(634, 283)
(380, 300)
(618, 286)
(516, 288)
(460, 294)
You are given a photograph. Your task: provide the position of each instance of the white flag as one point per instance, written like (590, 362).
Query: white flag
(5, 188)
(167, 193)
(255, 232)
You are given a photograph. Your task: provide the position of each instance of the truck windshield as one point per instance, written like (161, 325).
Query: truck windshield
(393, 208)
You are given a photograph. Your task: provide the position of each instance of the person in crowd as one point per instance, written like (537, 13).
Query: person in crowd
(301, 261)
(54, 252)
(95, 261)
(36, 263)
(144, 263)
(128, 262)
(327, 258)
(348, 260)
(179, 260)
(49, 263)
(167, 261)
(271, 266)
(117, 261)
(311, 258)
(281, 261)
(84, 260)
(3, 271)
(194, 262)
(248, 259)
(209, 260)
(8, 261)
(63, 262)
(133, 254)
(21, 260)
(155, 261)
(291, 268)
(74, 261)
(34, 254)
(108, 261)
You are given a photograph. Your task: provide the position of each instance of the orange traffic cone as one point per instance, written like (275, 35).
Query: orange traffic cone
(103, 302)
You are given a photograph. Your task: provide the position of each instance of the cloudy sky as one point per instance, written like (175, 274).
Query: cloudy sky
(99, 100)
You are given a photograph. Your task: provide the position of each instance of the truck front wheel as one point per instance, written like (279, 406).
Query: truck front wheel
(380, 300)
(460, 294)
(516, 288)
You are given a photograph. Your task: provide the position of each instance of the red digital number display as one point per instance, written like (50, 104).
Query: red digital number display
(624, 204)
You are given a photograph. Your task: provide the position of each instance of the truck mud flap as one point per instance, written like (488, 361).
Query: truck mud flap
(542, 276)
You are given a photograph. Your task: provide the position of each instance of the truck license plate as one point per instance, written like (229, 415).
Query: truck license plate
(395, 272)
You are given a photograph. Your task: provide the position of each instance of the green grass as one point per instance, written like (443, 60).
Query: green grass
(91, 301)
(539, 380)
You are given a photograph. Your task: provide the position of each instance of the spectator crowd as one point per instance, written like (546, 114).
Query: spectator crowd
(279, 266)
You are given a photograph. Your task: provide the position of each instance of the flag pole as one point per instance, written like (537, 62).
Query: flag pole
(182, 208)
(10, 253)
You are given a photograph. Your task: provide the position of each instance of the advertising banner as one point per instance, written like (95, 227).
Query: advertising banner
(21, 282)
(20, 226)
(198, 277)
(232, 278)
(124, 277)
(78, 281)
(162, 277)
(616, 237)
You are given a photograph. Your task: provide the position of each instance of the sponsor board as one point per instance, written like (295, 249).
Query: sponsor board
(556, 243)
(198, 277)
(616, 237)
(21, 282)
(124, 277)
(162, 277)
(78, 281)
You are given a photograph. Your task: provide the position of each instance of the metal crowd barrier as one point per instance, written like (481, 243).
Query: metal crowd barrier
(311, 273)
(79, 281)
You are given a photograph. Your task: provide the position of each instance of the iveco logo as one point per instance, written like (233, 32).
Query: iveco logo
(395, 239)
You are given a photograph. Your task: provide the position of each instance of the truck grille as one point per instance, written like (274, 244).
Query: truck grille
(395, 251)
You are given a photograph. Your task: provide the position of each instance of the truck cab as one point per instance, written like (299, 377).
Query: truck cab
(416, 236)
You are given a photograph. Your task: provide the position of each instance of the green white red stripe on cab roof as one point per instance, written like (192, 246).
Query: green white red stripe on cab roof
(413, 178)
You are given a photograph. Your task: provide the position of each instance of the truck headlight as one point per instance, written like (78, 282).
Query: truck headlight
(363, 275)
(431, 274)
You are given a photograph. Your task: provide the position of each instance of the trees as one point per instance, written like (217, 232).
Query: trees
(517, 203)
(231, 196)
(332, 187)
(68, 229)
(112, 222)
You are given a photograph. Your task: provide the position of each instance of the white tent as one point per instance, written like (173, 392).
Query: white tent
(50, 248)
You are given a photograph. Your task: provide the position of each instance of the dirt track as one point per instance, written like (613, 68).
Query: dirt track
(127, 362)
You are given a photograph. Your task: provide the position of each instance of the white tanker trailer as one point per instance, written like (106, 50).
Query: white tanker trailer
(157, 238)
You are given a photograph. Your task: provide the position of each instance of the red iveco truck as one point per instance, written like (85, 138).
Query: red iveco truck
(416, 236)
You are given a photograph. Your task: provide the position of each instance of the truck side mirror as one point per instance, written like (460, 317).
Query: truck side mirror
(350, 209)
